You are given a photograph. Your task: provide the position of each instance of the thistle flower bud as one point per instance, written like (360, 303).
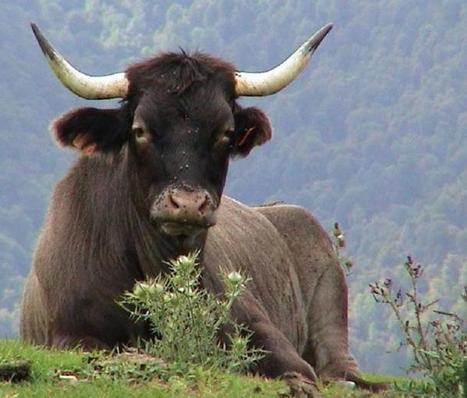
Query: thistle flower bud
(138, 291)
(184, 259)
(158, 288)
(235, 277)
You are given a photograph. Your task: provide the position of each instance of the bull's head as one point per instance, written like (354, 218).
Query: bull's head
(178, 125)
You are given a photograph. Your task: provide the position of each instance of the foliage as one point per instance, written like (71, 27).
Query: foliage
(188, 321)
(438, 346)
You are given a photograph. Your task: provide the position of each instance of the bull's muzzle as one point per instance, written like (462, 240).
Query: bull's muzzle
(181, 211)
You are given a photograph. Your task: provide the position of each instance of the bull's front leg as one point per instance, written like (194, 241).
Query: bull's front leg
(280, 357)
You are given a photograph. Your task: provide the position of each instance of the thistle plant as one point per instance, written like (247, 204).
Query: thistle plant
(438, 346)
(188, 320)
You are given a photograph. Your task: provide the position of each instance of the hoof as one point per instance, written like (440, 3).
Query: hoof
(299, 386)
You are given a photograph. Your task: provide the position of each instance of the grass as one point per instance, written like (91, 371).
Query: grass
(49, 366)
(339, 391)
(120, 378)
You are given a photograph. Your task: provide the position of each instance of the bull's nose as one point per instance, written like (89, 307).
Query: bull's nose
(184, 211)
(188, 202)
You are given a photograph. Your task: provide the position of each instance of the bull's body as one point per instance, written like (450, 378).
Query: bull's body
(88, 254)
(148, 188)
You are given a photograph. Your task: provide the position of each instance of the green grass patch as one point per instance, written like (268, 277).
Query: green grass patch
(74, 373)
(77, 374)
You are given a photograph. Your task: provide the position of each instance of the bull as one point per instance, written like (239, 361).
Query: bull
(147, 187)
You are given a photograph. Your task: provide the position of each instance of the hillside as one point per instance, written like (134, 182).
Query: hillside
(373, 134)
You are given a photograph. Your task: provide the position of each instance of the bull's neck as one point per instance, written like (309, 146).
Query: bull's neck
(178, 246)
(154, 249)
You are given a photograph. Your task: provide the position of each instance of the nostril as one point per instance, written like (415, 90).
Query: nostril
(204, 203)
(173, 202)
(187, 203)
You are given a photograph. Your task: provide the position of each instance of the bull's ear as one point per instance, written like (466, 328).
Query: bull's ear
(252, 128)
(90, 129)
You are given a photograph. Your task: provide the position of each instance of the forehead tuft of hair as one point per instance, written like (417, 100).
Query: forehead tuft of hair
(175, 73)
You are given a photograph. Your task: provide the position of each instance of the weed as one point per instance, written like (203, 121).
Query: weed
(338, 244)
(187, 320)
(438, 346)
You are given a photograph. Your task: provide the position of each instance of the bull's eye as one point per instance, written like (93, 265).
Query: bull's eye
(140, 134)
(229, 138)
(224, 141)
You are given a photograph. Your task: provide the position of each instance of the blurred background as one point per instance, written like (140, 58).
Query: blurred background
(373, 134)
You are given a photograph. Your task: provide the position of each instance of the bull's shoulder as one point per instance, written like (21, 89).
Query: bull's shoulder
(242, 231)
(245, 240)
(88, 173)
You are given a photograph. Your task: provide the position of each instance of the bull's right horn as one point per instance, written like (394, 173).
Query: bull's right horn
(89, 87)
(274, 80)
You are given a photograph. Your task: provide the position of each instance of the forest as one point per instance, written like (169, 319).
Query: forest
(372, 135)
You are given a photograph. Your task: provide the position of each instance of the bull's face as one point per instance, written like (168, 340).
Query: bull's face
(182, 141)
(178, 135)
(178, 126)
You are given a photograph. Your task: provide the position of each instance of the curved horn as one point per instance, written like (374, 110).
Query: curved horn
(89, 87)
(274, 80)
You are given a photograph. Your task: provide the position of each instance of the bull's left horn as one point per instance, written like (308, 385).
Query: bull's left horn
(89, 87)
(274, 80)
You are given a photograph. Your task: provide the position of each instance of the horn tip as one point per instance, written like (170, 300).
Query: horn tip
(318, 37)
(43, 43)
(35, 30)
(327, 28)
